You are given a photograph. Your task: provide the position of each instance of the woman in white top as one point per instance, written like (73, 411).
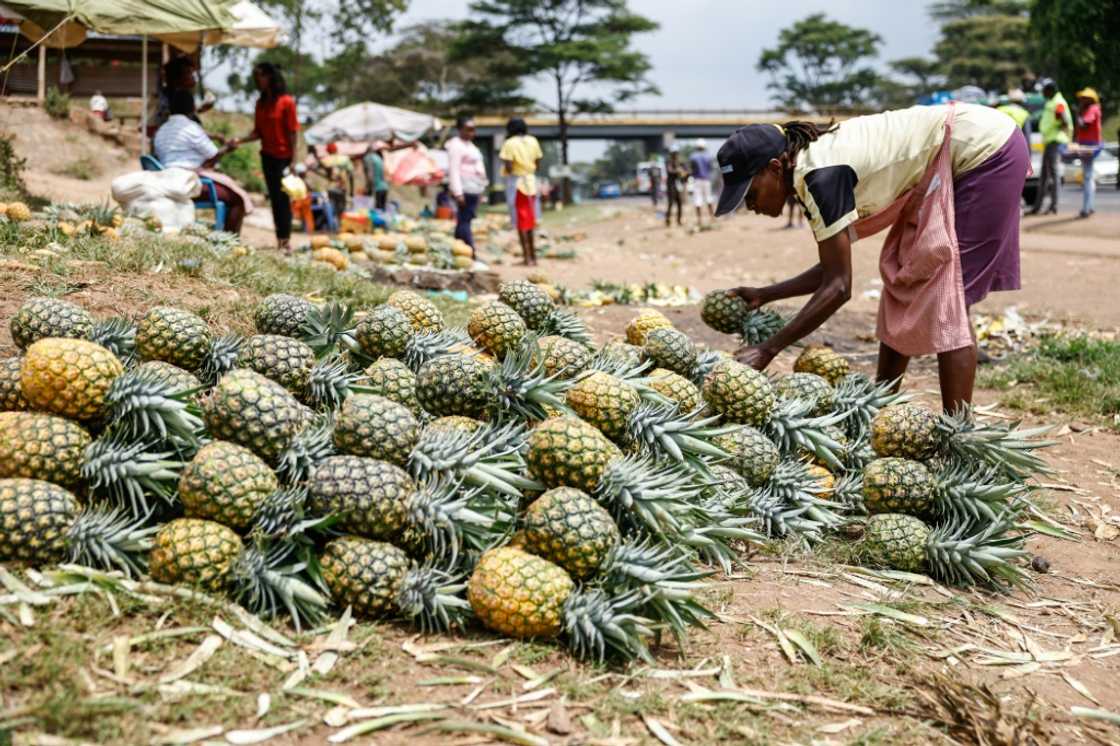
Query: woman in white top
(466, 176)
(182, 143)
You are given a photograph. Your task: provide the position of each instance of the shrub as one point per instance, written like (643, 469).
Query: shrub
(11, 166)
(57, 104)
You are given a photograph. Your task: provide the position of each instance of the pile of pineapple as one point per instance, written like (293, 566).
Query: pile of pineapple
(511, 472)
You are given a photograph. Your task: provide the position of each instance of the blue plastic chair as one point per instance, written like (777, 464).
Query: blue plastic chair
(151, 163)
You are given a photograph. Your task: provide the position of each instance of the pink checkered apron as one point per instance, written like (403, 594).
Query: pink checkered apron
(922, 309)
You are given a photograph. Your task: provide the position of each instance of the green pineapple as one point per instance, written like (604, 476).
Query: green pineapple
(281, 314)
(605, 401)
(497, 328)
(566, 526)
(562, 357)
(211, 557)
(671, 349)
(739, 393)
(11, 392)
(379, 580)
(807, 387)
(174, 336)
(954, 555)
(42, 446)
(753, 455)
(283, 359)
(376, 427)
(530, 301)
(368, 497)
(226, 483)
(42, 523)
(39, 318)
(723, 311)
(176, 378)
(905, 431)
(454, 385)
(421, 312)
(384, 332)
(395, 381)
(253, 411)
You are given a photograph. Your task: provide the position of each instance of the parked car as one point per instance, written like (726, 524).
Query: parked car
(1105, 166)
(608, 190)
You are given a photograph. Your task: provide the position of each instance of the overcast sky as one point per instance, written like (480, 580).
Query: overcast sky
(705, 51)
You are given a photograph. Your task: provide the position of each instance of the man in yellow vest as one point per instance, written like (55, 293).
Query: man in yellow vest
(1012, 106)
(1056, 126)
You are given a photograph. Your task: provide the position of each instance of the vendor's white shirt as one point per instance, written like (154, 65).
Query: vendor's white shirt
(98, 103)
(182, 143)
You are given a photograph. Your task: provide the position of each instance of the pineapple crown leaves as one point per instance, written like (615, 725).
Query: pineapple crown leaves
(423, 346)
(859, 399)
(793, 429)
(778, 520)
(220, 358)
(127, 472)
(961, 555)
(975, 492)
(452, 520)
(617, 366)
(143, 405)
(329, 329)
(705, 361)
(284, 516)
(597, 623)
(260, 581)
(642, 493)
(794, 483)
(522, 388)
(306, 450)
(1009, 449)
(665, 431)
(433, 598)
(490, 458)
(118, 336)
(712, 527)
(566, 324)
(109, 539)
(760, 325)
(331, 381)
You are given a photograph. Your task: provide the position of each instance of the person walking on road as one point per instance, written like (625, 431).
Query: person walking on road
(466, 176)
(676, 176)
(947, 181)
(277, 127)
(700, 164)
(1088, 138)
(1056, 126)
(521, 154)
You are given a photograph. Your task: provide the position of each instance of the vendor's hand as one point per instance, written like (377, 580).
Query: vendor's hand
(460, 199)
(757, 357)
(753, 296)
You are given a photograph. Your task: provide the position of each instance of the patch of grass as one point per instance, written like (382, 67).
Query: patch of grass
(1072, 374)
(879, 635)
(83, 168)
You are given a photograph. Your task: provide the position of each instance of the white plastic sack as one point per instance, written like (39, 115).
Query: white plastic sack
(166, 195)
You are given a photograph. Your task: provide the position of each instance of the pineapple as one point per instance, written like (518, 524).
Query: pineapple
(281, 314)
(677, 389)
(753, 455)
(525, 596)
(384, 332)
(860, 399)
(453, 424)
(454, 385)
(823, 361)
(605, 401)
(42, 523)
(373, 426)
(68, 377)
(211, 557)
(566, 526)
(807, 387)
(421, 312)
(905, 431)
(369, 498)
(118, 336)
(568, 452)
(42, 446)
(644, 323)
(174, 336)
(395, 381)
(497, 328)
(532, 303)
(954, 555)
(724, 311)
(897, 485)
(561, 357)
(178, 379)
(253, 411)
(18, 212)
(739, 393)
(227, 483)
(39, 318)
(285, 360)
(671, 349)
(11, 393)
(379, 580)
(624, 354)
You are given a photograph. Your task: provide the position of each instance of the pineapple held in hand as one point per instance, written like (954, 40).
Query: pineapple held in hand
(724, 311)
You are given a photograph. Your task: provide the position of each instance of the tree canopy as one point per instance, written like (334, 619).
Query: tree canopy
(821, 65)
(1077, 43)
(983, 43)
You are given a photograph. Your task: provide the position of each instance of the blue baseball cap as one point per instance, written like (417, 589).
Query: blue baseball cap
(745, 153)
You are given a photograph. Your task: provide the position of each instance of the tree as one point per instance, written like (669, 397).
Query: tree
(572, 43)
(817, 66)
(983, 42)
(619, 162)
(1076, 42)
(918, 76)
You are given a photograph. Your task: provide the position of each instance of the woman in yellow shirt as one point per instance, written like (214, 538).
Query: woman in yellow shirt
(520, 155)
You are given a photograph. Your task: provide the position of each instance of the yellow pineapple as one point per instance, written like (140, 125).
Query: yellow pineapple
(68, 377)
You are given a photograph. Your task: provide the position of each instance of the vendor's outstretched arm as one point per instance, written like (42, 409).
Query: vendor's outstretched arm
(834, 288)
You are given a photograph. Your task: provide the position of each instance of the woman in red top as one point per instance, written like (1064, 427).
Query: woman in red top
(276, 125)
(1088, 137)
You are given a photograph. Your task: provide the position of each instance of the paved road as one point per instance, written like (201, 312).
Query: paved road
(1108, 199)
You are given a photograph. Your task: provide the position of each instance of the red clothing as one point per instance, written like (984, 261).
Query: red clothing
(526, 212)
(275, 119)
(1089, 125)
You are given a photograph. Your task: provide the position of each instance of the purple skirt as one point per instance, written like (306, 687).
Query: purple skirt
(987, 204)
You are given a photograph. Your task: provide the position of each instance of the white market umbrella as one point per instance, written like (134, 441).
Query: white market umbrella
(251, 27)
(367, 122)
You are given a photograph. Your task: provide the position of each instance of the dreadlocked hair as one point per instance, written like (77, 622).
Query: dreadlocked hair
(800, 134)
